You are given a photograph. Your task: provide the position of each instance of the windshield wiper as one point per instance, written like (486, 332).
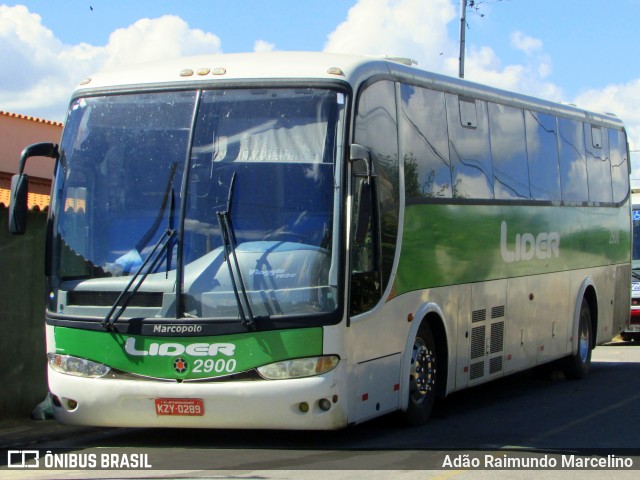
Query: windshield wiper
(635, 273)
(229, 244)
(149, 265)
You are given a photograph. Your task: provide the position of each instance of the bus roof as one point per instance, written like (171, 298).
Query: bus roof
(313, 66)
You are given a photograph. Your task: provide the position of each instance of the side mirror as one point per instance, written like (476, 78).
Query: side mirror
(18, 204)
(20, 185)
(361, 153)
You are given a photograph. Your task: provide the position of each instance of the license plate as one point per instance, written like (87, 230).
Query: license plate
(192, 407)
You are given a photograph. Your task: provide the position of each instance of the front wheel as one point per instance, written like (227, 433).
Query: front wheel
(577, 365)
(423, 377)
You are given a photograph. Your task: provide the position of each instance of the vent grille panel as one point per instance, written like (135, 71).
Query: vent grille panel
(476, 370)
(497, 337)
(495, 365)
(477, 342)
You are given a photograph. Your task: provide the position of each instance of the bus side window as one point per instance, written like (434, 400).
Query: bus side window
(573, 165)
(469, 148)
(424, 143)
(542, 151)
(376, 128)
(509, 152)
(619, 165)
(598, 164)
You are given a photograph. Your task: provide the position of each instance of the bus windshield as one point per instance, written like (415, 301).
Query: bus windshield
(136, 166)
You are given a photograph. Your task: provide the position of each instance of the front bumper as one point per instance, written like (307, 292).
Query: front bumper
(273, 404)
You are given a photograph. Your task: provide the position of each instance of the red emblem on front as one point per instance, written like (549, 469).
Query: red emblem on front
(180, 365)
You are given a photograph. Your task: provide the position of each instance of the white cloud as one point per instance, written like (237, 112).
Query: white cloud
(28, 52)
(156, 39)
(39, 72)
(406, 28)
(525, 43)
(482, 65)
(263, 46)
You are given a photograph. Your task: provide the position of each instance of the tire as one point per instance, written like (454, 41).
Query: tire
(423, 377)
(577, 366)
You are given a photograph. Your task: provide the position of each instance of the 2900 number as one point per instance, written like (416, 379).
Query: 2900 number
(218, 366)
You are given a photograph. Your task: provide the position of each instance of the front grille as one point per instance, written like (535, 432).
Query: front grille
(107, 299)
(247, 376)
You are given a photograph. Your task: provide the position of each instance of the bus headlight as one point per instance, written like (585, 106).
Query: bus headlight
(299, 367)
(79, 367)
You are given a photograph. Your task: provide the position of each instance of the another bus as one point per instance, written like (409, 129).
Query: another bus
(309, 241)
(633, 332)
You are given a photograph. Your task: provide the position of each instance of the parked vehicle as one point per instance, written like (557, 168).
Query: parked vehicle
(633, 332)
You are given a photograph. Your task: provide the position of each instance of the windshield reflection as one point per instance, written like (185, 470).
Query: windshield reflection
(132, 168)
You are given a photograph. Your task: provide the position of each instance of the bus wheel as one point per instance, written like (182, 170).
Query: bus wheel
(577, 365)
(423, 376)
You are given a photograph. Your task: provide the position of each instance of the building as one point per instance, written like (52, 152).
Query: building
(16, 132)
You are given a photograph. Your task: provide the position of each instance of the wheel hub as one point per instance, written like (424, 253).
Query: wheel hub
(423, 372)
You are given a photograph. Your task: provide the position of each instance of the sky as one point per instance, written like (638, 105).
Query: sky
(576, 51)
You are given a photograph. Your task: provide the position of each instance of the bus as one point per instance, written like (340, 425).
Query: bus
(633, 332)
(308, 241)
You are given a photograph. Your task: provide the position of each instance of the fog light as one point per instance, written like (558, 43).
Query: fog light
(72, 404)
(304, 407)
(324, 404)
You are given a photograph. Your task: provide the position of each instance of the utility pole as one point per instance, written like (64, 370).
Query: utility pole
(463, 27)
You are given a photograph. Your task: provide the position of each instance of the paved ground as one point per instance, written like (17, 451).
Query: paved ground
(24, 432)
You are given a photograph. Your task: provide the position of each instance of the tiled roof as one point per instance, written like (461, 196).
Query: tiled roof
(32, 119)
(35, 201)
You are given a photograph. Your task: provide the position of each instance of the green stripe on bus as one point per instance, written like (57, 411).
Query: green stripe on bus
(456, 244)
(202, 357)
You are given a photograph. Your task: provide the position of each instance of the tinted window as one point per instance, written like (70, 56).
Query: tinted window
(376, 128)
(424, 139)
(542, 151)
(619, 164)
(598, 164)
(508, 149)
(469, 150)
(573, 168)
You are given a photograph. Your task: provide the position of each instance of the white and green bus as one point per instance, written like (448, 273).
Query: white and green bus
(308, 241)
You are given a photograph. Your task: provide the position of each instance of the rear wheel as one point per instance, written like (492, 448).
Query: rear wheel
(423, 377)
(577, 365)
